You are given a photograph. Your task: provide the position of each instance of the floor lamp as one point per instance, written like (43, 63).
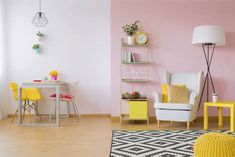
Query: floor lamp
(209, 36)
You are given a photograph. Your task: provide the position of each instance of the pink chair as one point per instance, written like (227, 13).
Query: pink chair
(69, 98)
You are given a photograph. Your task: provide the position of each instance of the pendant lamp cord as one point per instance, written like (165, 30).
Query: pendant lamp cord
(39, 5)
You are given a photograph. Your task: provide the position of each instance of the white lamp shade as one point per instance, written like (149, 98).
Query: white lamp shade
(209, 34)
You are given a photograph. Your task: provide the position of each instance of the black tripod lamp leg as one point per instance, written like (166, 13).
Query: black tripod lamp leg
(205, 81)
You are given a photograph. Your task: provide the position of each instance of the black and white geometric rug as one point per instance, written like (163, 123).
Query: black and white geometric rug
(154, 143)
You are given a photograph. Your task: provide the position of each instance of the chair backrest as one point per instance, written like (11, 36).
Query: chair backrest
(193, 81)
(27, 93)
(32, 94)
(14, 87)
(73, 89)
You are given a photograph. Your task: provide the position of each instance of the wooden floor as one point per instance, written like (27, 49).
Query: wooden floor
(90, 137)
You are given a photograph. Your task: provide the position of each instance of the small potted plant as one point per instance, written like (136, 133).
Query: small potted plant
(54, 75)
(40, 36)
(36, 47)
(130, 30)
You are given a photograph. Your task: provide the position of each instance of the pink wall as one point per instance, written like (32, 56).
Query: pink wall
(170, 25)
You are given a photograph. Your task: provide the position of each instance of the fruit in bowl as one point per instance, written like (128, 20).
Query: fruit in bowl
(126, 95)
(134, 95)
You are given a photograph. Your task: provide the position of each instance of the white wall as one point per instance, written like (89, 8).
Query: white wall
(77, 44)
(3, 61)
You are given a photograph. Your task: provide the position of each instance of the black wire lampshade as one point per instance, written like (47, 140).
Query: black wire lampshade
(40, 20)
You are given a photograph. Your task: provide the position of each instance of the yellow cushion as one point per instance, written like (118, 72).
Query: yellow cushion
(164, 92)
(177, 94)
(214, 145)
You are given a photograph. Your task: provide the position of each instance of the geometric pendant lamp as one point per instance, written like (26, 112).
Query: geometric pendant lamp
(40, 20)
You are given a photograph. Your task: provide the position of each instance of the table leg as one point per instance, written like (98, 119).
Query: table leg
(19, 106)
(232, 118)
(205, 117)
(58, 106)
(68, 109)
(220, 118)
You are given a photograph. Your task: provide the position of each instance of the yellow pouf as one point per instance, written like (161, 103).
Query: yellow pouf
(214, 145)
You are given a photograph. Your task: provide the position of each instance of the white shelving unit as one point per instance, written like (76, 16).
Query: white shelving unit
(124, 107)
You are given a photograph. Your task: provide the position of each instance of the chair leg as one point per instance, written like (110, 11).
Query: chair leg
(35, 107)
(29, 108)
(68, 110)
(14, 116)
(36, 110)
(188, 124)
(75, 108)
(24, 111)
(158, 124)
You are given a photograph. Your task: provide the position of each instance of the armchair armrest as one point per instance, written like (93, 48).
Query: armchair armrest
(157, 97)
(193, 98)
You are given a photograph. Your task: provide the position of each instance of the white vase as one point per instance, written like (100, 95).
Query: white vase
(131, 40)
(214, 97)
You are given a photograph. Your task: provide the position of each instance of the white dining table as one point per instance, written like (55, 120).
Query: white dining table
(48, 84)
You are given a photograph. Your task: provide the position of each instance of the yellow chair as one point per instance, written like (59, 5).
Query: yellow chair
(215, 145)
(30, 98)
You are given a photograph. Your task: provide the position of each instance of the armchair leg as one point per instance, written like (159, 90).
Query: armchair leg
(188, 124)
(158, 124)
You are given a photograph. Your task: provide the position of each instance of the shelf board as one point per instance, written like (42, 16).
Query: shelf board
(139, 99)
(135, 80)
(135, 45)
(138, 62)
(125, 117)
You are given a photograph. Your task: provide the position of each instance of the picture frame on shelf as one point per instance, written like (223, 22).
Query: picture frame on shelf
(141, 38)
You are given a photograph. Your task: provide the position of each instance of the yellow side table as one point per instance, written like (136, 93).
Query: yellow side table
(220, 106)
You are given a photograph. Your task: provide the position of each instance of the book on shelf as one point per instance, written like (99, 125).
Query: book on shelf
(129, 57)
(132, 57)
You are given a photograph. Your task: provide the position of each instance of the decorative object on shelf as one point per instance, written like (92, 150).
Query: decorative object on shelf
(40, 20)
(40, 36)
(128, 57)
(126, 95)
(141, 38)
(36, 48)
(214, 97)
(54, 75)
(130, 30)
(133, 95)
(208, 36)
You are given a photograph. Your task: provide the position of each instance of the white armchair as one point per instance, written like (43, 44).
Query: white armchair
(177, 111)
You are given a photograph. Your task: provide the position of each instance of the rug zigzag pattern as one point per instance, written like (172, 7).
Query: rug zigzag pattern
(154, 143)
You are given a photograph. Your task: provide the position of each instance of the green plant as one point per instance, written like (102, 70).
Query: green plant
(130, 29)
(40, 34)
(36, 46)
